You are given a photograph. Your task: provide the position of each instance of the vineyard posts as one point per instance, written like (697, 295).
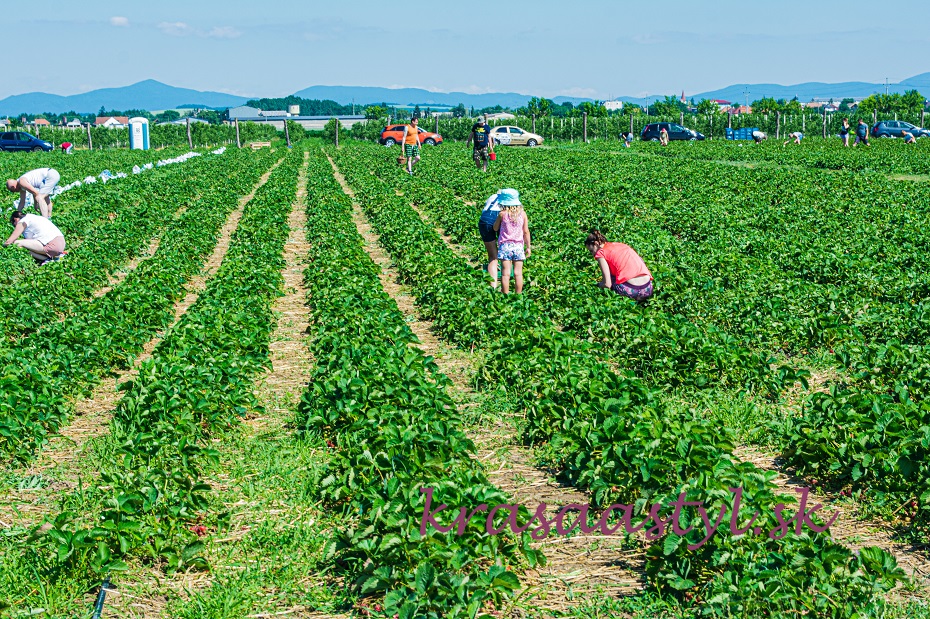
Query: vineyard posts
(190, 141)
(238, 141)
(90, 142)
(287, 134)
(584, 120)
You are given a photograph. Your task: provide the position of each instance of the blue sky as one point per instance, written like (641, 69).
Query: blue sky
(596, 48)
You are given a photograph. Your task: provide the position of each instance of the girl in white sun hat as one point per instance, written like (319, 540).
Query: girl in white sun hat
(513, 240)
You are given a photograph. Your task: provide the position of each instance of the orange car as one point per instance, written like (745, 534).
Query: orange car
(393, 134)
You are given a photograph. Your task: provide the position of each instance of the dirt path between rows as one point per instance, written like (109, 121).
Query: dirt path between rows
(576, 565)
(57, 463)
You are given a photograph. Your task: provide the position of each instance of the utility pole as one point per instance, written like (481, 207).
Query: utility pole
(886, 86)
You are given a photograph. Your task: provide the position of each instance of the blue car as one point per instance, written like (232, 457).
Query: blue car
(20, 140)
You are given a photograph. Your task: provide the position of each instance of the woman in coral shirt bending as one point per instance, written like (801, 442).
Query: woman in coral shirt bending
(622, 270)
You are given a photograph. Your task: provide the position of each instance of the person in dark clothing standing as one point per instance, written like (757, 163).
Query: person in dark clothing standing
(480, 136)
(862, 133)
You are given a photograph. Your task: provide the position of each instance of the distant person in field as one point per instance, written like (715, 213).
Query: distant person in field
(844, 132)
(66, 147)
(759, 136)
(862, 133)
(909, 137)
(489, 213)
(513, 240)
(622, 270)
(627, 139)
(40, 183)
(663, 137)
(410, 144)
(41, 237)
(480, 137)
(797, 136)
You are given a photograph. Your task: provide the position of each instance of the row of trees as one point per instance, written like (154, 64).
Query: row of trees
(308, 107)
(211, 116)
(908, 103)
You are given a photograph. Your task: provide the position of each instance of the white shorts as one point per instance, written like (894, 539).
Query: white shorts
(48, 185)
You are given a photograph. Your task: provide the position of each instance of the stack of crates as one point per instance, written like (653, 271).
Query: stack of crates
(741, 134)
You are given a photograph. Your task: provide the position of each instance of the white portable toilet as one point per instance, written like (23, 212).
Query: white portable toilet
(138, 133)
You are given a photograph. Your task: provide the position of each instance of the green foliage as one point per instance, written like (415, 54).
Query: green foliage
(708, 107)
(308, 107)
(167, 116)
(670, 106)
(376, 112)
(910, 102)
(766, 105)
(539, 106)
(330, 130)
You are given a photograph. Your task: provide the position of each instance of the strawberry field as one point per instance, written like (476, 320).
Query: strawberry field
(255, 372)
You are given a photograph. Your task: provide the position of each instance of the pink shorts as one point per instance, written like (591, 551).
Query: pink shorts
(55, 247)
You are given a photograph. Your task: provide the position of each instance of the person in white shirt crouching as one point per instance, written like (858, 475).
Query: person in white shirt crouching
(41, 237)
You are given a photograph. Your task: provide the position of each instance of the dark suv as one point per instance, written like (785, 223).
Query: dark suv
(675, 132)
(896, 129)
(20, 140)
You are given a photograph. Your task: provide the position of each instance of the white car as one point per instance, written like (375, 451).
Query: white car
(515, 136)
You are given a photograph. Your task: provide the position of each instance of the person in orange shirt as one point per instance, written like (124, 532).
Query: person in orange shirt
(410, 144)
(622, 270)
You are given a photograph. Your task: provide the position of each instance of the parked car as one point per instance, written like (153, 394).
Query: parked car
(515, 136)
(20, 140)
(393, 134)
(896, 129)
(675, 132)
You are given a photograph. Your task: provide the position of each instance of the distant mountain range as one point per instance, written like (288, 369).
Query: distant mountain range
(814, 90)
(145, 95)
(365, 95)
(153, 95)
